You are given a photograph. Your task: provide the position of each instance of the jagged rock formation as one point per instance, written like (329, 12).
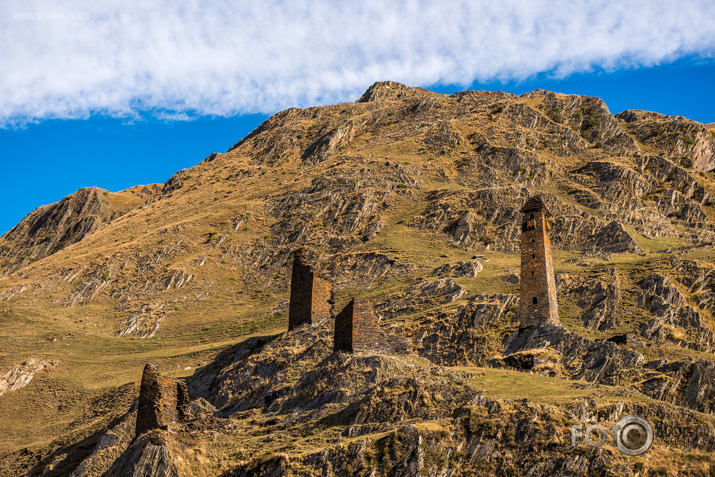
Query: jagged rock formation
(51, 228)
(663, 300)
(458, 269)
(687, 140)
(412, 200)
(145, 458)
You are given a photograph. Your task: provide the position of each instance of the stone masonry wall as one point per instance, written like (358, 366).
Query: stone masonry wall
(537, 302)
(310, 295)
(161, 401)
(300, 296)
(321, 299)
(366, 332)
(343, 335)
(357, 330)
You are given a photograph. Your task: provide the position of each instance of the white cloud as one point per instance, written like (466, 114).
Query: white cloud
(76, 58)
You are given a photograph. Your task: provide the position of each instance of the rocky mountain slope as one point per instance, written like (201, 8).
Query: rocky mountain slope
(408, 198)
(51, 228)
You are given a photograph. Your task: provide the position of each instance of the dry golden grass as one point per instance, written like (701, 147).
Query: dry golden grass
(234, 301)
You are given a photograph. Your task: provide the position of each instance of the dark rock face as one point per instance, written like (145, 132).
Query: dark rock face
(613, 238)
(700, 394)
(687, 383)
(581, 358)
(146, 457)
(601, 299)
(627, 339)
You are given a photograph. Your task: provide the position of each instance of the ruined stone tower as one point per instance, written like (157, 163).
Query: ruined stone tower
(161, 401)
(356, 327)
(357, 331)
(310, 295)
(538, 288)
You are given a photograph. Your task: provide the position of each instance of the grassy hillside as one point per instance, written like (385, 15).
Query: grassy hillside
(380, 192)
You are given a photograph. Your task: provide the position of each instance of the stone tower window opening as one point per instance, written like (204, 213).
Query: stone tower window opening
(534, 301)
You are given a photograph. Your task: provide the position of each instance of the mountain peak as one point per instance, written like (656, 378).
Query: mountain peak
(385, 90)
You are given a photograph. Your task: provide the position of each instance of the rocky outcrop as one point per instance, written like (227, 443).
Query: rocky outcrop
(110, 447)
(687, 382)
(51, 228)
(613, 238)
(338, 210)
(459, 269)
(443, 290)
(687, 140)
(699, 278)
(363, 270)
(601, 301)
(674, 320)
(20, 375)
(145, 322)
(329, 143)
(580, 358)
(147, 456)
(391, 90)
(460, 337)
(590, 117)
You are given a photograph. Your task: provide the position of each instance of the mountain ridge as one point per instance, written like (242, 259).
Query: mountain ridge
(410, 199)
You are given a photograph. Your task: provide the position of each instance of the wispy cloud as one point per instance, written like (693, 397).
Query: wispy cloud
(227, 57)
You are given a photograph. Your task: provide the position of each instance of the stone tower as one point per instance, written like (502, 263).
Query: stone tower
(161, 401)
(356, 327)
(357, 330)
(310, 295)
(537, 295)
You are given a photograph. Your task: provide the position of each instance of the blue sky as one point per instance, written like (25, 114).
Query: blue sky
(125, 93)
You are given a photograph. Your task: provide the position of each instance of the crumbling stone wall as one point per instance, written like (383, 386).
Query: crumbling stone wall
(357, 330)
(162, 401)
(310, 295)
(537, 302)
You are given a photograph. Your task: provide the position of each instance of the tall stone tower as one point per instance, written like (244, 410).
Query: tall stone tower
(537, 302)
(310, 295)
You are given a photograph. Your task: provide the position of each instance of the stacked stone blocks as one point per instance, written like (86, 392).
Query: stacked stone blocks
(310, 295)
(538, 288)
(357, 330)
(162, 401)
